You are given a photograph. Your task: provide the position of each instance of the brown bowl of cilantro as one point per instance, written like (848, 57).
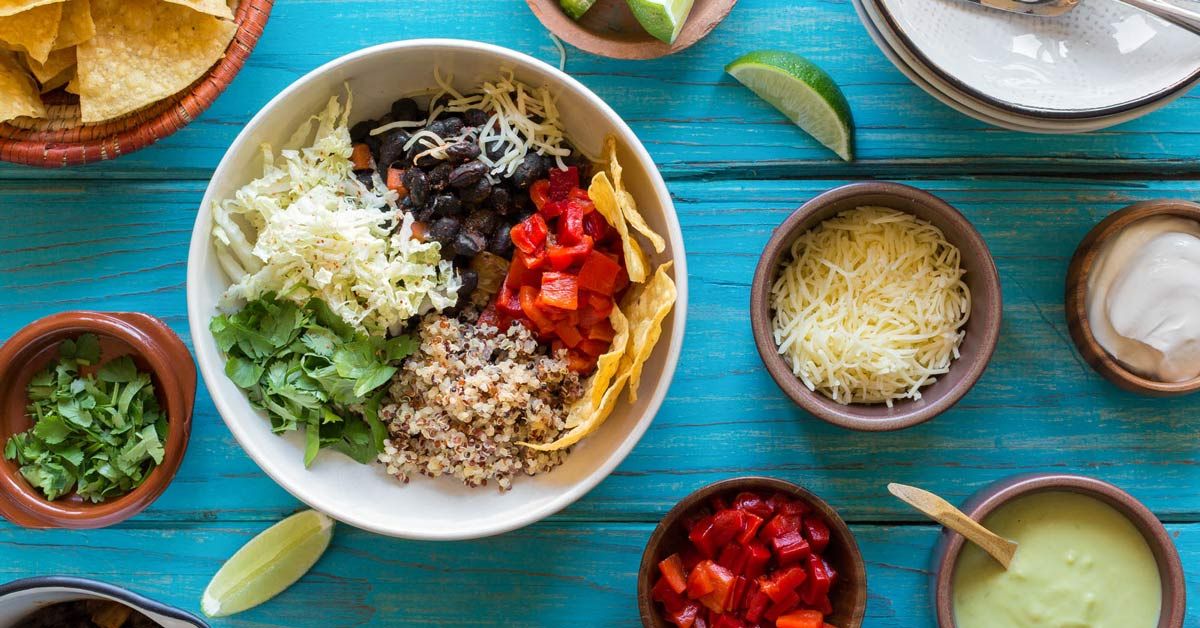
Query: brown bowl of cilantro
(95, 413)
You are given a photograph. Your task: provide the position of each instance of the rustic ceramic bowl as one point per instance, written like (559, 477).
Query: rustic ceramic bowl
(849, 596)
(982, 330)
(609, 29)
(1076, 297)
(987, 500)
(154, 348)
(20, 598)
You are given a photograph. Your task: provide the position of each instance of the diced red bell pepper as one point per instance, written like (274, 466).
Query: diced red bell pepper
(662, 592)
(722, 580)
(733, 558)
(686, 616)
(580, 363)
(801, 619)
(700, 580)
(596, 225)
(758, 606)
(701, 538)
(528, 297)
(395, 181)
(529, 235)
(718, 503)
(783, 607)
(622, 281)
(580, 194)
(727, 524)
(783, 583)
(360, 157)
(570, 337)
(778, 500)
(671, 568)
(778, 525)
(603, 331)
(690, 558)
(562, 182)
(750, 525)
(701, 622)
(748, 594)
(757, 557)
(539, 192)
(560, 290)
(594, 348)
(563, 257)
(599, 273)
(570, 222)
(508, 301)
(599, 308)
(791, 548)
(819, 582)
(728, 621)
(817, 532)
(753, 504)
(521, 275)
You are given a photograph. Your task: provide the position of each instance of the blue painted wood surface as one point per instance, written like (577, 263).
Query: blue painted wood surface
(114, 237)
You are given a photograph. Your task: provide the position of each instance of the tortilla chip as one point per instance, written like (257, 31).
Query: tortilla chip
(219, 8)
(13, 7)
(607, 364)
(18, 93)
(56, 63)
(625, 199)
(145, 51)
(58, 81)
(603, 195)
(646, 311)
(76, 26)
(587, 416)
(33, 31)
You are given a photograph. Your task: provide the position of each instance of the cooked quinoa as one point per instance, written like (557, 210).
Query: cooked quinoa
(460, 405)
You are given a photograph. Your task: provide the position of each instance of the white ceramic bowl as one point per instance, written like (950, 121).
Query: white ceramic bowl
(364, 495)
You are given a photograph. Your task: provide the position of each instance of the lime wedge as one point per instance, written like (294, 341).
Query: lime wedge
(663, 19)
(801, 91)
(268, 564)
(576, 8)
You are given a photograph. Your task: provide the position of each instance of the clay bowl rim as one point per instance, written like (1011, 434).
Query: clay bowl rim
(555, 20)
(22, 504)
(991, 497)
(840, 533)
(1078, 273)
(905, 413)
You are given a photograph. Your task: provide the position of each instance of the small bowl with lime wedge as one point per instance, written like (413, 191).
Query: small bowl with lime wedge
(631, 29)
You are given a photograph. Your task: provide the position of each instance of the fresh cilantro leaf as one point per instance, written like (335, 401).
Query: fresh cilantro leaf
(121, 369)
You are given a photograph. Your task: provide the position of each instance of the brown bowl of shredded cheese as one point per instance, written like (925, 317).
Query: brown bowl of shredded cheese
(876, 306)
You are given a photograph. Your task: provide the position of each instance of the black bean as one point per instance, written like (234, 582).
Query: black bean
(406, 109)
(495, 150)
(470, 281)
(444, 231)
(477, 193)
(467, 148)
(468, 174)
(425, 214)
(469, 243)
(418, 185)
(391, 147)
(501, 200)
(446, 205)
(428, 161)
(439, 176)
(475, 117)
(529, 170)
(447, 127)
(501, 241)
(481, 220)
(367, 177)
(359, 132)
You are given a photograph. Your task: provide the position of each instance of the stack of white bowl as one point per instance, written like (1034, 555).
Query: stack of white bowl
(1101, 64)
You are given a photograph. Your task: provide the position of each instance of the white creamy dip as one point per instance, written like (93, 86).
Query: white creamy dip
(1143, 298)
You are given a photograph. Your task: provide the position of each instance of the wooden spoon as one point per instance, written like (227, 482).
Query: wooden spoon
(942, 512)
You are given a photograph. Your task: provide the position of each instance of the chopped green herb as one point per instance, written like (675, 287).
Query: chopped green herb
(312, 372)
(97, 435)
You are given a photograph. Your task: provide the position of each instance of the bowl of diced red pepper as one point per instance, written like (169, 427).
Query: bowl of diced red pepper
(752, 552)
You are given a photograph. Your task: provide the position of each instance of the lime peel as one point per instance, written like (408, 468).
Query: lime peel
(663, 19)
(801, 91)
(268, 564)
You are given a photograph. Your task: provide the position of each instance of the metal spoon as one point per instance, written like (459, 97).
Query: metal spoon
(942, 512)
(1184, 18)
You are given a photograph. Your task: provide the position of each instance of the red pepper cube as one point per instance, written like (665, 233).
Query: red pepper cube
(686, 616)
(728, 621)
(757, 557)
(722, 580)
(782, 607)
(529, 235)
(580, 363)
(596, 225)
(801, 619)
(508, 300)
(750, 525)
(754, 504)
(791, 548)
(690, 558)
(671, 569)
(701, 537)
(727, 524)
(560, 290)
(700, 582)
(528, 297)
(562, 182)
(662, 592)
(795, 507)
(570, 224)
(733, 558)
(778, 525)
(539, 192)
(758, 606)
(603, 331)
(817, 532)
(818, 584)
(748, 594)
(570, 337)
(564, 257)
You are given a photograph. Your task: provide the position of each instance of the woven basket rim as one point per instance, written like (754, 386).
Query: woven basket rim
(50, 148)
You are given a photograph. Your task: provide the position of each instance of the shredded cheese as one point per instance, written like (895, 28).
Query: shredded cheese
(871, 306)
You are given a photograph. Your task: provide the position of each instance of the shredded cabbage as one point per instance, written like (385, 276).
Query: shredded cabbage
(307, 228)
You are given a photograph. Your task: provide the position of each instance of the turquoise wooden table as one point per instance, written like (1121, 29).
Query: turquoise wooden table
(114, 237)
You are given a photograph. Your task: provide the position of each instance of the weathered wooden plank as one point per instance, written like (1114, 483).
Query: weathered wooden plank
(694, 119)
(121, 245)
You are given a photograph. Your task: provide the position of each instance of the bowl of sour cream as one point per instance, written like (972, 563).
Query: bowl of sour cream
(1088, 555)
(1133, 297)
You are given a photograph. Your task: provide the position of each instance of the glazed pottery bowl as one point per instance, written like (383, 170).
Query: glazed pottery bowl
(849, 596)
(1078, 274)
(987, 500)
(20, 598)
(154, 348)
(609, 29)
(982, 330)
(442, 508)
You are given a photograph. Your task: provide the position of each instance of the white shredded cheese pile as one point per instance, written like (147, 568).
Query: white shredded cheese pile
(871, 306)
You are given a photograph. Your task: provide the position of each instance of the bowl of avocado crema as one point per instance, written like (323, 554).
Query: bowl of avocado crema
(1089, 555)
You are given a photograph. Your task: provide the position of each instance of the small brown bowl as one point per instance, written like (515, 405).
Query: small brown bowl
(849, 596)
(987, 500)
(609, 29)
(154, 348)
(1078, 274)
(982, 330)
